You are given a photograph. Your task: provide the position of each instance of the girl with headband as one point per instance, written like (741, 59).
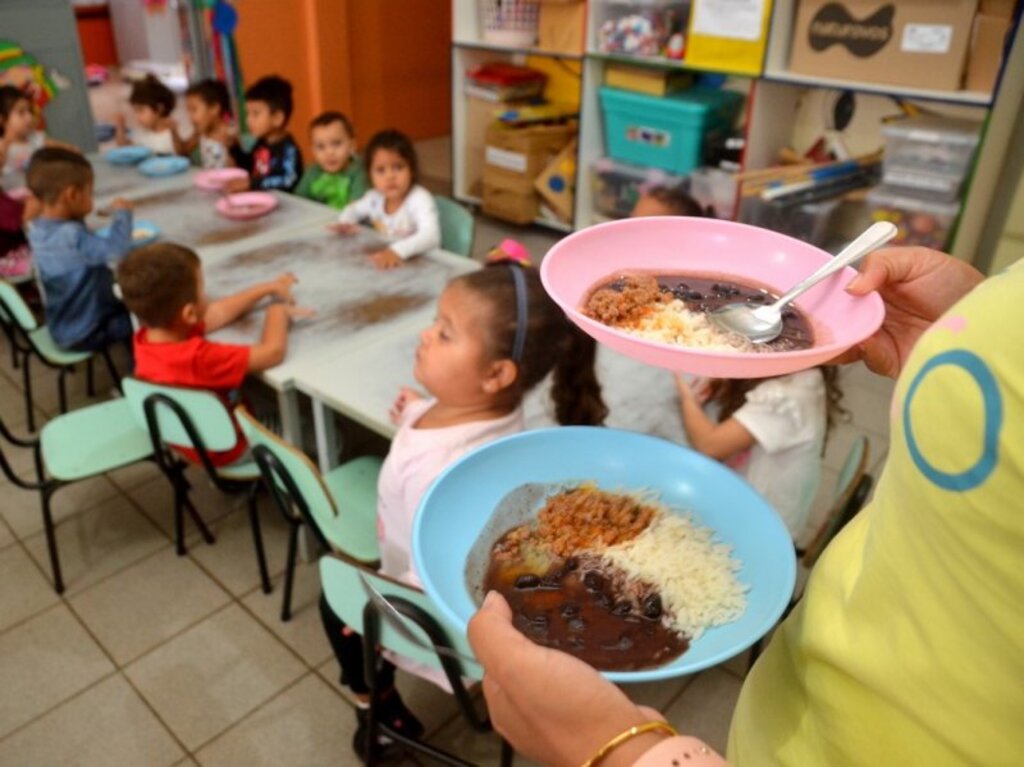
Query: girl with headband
(497, 334)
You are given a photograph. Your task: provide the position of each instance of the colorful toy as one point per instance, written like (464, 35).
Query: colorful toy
(657, 32)
(509, 250)
(23, 71)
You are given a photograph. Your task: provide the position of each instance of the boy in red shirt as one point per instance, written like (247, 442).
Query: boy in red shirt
(162, 285)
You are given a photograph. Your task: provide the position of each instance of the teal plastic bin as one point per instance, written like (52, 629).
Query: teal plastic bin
(667, 132)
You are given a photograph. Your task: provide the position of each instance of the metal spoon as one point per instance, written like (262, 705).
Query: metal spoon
(764, 323)
(397, 621)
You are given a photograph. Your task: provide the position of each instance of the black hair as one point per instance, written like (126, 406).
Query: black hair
(397, 142)
(677, 200)
(9, 97)
(212, 92)
(552, 342)
(51, 170)
(329, 118)
(157, 281)
(150, 92)
(275, 92)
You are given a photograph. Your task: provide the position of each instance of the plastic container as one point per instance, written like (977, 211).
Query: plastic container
(512, 23)
(809, 222)
(920, 220)
(617, 185)
(669, 132)
(647, 28)
(931, 145)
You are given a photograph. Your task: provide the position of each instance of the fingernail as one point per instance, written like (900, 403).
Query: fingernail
(490, 599)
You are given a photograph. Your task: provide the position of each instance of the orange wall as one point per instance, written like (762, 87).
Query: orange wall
(386, 63)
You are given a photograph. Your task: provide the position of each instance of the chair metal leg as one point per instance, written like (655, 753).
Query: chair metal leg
(90, 378)
(51, 536)
(9, 332)
(204, 531)
(180, 499)
(62, 389)
(27, 382)
(115, 375)
(257, 538)
(289, 572)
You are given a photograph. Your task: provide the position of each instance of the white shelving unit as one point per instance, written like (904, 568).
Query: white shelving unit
(777, 102)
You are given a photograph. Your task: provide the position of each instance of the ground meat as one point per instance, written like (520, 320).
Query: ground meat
(580, 519)
(624, 299)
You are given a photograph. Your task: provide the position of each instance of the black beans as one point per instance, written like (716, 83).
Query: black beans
(577, 624)
(571, 564)
(569, 610)
(527, 581)
(652, 606)
(622, 607)
(593, 581)
(694, 295)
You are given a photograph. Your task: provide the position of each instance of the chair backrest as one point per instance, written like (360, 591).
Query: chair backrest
(457, 226)
(850, 477)
(339, 579)
(182, 417)
(294, 480)
(13, 308)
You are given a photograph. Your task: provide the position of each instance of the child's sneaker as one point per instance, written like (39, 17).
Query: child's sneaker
(16, 263)
(394, 714)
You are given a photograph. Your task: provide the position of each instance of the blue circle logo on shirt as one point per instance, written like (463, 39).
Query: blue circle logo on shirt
(973, 365)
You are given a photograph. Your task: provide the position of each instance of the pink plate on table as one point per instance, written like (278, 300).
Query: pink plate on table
(727, 250)
(246, 205)
(215, 179)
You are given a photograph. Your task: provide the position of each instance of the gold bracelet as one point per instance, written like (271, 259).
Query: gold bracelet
(622, 737)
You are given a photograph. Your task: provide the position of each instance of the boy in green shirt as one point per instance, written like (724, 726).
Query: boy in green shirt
(337, 177)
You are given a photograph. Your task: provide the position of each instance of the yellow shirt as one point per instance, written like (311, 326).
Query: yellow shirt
(908, 645)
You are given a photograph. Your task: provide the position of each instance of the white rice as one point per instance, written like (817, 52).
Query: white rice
(673, 323)
(696, 577)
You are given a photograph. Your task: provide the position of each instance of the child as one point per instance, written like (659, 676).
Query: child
(397, 206)
(337, 178)
(275, 161)
(496, 336)
(73, 264)
(18, 137)
(152, 103)
(162, 285)
(209, 110)
(772, 431)
(666, 201)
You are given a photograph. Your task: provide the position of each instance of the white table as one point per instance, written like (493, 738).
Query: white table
(362, 384)
(356, 304)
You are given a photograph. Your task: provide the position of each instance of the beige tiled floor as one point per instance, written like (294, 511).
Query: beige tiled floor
(155, 659)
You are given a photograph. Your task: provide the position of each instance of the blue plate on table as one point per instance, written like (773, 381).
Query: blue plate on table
(143, 233)
(158, 167)
(105, 132)
(457, 508)
(126, 155)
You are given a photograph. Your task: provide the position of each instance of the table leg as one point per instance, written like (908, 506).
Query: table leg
(291, 419)
(327, 444)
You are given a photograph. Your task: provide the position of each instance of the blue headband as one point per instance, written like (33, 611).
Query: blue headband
(522, 311)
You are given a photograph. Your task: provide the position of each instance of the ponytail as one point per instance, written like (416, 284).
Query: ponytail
(576, 391)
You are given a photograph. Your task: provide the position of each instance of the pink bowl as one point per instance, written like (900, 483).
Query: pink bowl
(246, 205)
(214, 180)
(745, 253)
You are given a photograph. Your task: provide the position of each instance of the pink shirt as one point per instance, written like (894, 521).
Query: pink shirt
(416, 458)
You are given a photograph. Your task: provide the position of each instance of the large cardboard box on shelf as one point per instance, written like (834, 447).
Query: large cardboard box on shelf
(513, 159)
(561, 26)
(917, 43)
(1001, 8)
(986, 52)
(514, 205)
(480, 113)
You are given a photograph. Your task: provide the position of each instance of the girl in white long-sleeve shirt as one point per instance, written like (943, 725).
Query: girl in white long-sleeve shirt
(397, 207)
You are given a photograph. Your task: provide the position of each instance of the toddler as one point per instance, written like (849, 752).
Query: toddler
(209, 111)
(337, 177)
(73, 264)
(496, 336)
(152, 103)
(275, 161)
(162, 285)
(770, 430)
(397, 206)
(18, 135)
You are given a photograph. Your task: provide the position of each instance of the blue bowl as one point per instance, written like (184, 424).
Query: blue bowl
(152, 232)
(126, 155)
(458, 505)
(158, 167)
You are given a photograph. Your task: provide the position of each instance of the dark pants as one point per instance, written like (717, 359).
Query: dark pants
(115, 328)
(348, 649)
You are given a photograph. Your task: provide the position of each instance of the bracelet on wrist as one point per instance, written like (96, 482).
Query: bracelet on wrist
(626, 735)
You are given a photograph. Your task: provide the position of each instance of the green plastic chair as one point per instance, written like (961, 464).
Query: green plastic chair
(197, 419)
(29, 338)
(340, 507)
(457, 226)
(340, 579)
(86, 443)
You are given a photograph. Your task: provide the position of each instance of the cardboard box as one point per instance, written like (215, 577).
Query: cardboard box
(514, 205)
(514, 157)
(919, 43)
(986, 52)
(479, 116)
(1001, 8)
(557, 183)
(654, 82)
(561, 25)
